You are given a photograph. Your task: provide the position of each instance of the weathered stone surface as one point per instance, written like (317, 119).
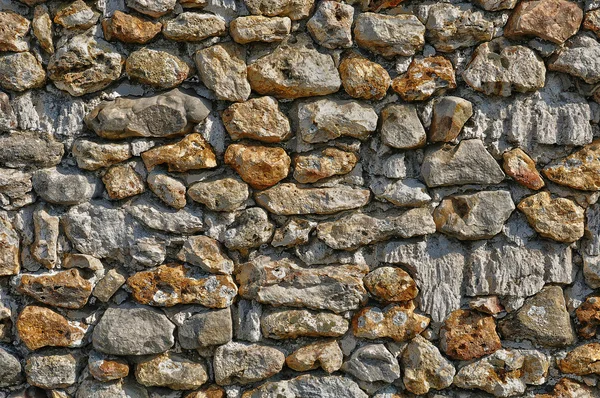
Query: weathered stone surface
(129, 28)
(162, 115)
(295, 9)
(21, 71)
(14, 29)
(425, 368)
(408, 192)
(288, 72)
(10, 369)
(578, 170)
(389, 35)
(260, 166)
(207, 254)
(559, 218)
(325, 386)
(505, 373)
(289, 199)
(170, 190)
(499, 68)
(236, 363)
(155, 215)
(569, 388)
(133, 330)
(41, 327)
(295, 232)
(76, 15)
(46, 229)
(122, 181)
(172, 371)
(84, 64)
(105, 368)
(108, 285)
(424, 78)
(250, 228)
(91, 388)
(213, 391)
(92, 155)
(543, 319)
(327, 119)
(194, 26)
(51, 371)
(246, 318)
(519, 166)
(582, 360)
(42, 28)
(591, 21)
(326, 163)
(373, 363)
(204, 328)
(449, 116)
(8, 119)
(326, 355)
(65, 289)
(450, 27)
(363, 78)
(83, 261)
(255, 28)
(191, 153)
(396, 321)
(15, 189)
(391, 284)
(588, 317)
(154, 8)
(496, 5)
(553, 20)
(474, 216)
(65, 187)
(258, 119)
(467, 335)
(284, 282)
(401, 127)
(173, 284)
(331, 24)
(488, 305)
(226, 194)
(578, 58)
(159, 69)
(290, 324)
(222, 68)
(10, 263)
(466, 163)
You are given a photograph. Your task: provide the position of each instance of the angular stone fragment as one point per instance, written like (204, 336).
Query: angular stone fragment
(566, 388)
(288, 73)
(10, 369)
(191, 153)
(474, 216)
(77, 15)
(425, 368)
(588, 317)
(559, 219)
(578, 170)
(8, 119)
(105, 368)
(373, 363)
(133, 330)
(467, 163)
(153, 8)
(92, 155)
(449, 116)
(295, 9)
(409, 192)
(9, 247)
(42, 28)
(289, 199)
(159, 69)
(401, 127)
(21, 71)
(496, 5)
(226, 194)
(331, 24)
(155, 215)
(168, 189)
(302, 386)
(553, 20)
(117, 388)
(29, 150)
(260, 166)
(327, 163)
(592, 21)
(363, 78)
(207, 254)
(194, 26)
(129, 28)
(76, 260)
(14, 29)
(205, 328)
(15, 189)
(84, 64)
(291, 324)
(213, 391)
(396, 321)
(237, 363)
(173, 284)
(505, 373)
(582, 360)
(284, 282)
(258, 119)
(51, 371)
(44, 246)
(519, 166)
(253, 28)
(40, 327)
(222, 69)
(391, 284)
(172, 371)
(389, 35)
(467, 335)
(326, 355)
(543, 319)
(162, 115)
(108, 285)
(295, 232)
(450, 27)
(66, 289)
(488, 305)
(579, 58)
(122, 181)
(424, 78)
(250, 228)
(499, 68)
(64, 187)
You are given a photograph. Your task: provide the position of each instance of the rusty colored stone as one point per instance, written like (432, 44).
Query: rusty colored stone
(326, 355)
(130, 28)
(391, 284)
(42, 28)
(363, 78)
(467, 335)
(13, 29)
(521, 168)
(588, 316)
(77, 15)
(580, 170)
(65, 289)
(488, 305)
(107, 368)
(260, 166)
(397, 321)
(424, 78)
(569, 388)
(191, 153)
(122, 181)
(41, 327)
(326, 163)
(582, 360)
(592, 21)
(9, 248)
(208, 392)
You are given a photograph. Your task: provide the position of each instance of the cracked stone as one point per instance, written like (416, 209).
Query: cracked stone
(409, 192)
(21, 71)
(251, 228)
(14, 29)
(579, 170)
(51, 371)
(41, 327)
(66, 289)
(582, 360)
(46, 229)
(226, 194)
(108, 285)
(170, 190)
(206, 253)
(77, 15)
(588, 317)
(10, 263)
(194, 26)
(172, 371)
(579, 58)
(296, 231)
(373, 363)
(66, 187)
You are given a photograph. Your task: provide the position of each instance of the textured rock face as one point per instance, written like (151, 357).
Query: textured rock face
(425, 368)
(331, 24)
(389, 35)
(326, 355)
(398, 322)
(364, 79)
(255, 28)
(582, 360)
(244, 364)
(258, 119)
(291, 324)
(468, 335)
(577, 170)
(449, 116)
(11, 369)
(15, 27)
(159, 69)
(578, 59)
(192, 26)
(373, 363)
(51, 371)
(401, 127)
(222, 68)
(130, 28)
(172, 371)
(226, 194)
(40, 327)
(424, 78)
(65, 289)
(327, 386)
(327, 163)
(191, 153)
(260, 166)
(519, 166)
(290, 8)
(21, 71)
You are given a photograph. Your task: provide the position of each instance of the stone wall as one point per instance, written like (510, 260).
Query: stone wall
(299, 198)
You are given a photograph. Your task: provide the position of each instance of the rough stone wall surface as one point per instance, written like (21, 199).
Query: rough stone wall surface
(299, 198)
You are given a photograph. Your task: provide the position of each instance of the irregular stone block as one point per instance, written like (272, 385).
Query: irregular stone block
(331, 24)
(424, 78)
(129, 28)
(425, 368)
(258, 119)
(21, 71)
(194, 26)
(389, 35)
(40, 327)
(222, 69)
(364, 79)
(260, 166)
(396, 321)
(253, 28)
(158, 69)
(326, 355)
(291, 324)
(325, 386)
(237, 363)
(191, 153)
(66, 289)
(172, 371)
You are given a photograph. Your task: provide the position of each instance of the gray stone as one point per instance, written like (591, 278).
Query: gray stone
(153, 8)
(133, 330)
(295, 232)
(389, 35)
(10, 369)
(295, 9)
(10, 263)
(8, 120)
(222, 69)
(206, 253)
(579, 58)
(51, 371)
(496, 5)
(251, 228)
(331, 24)
(237, 363)
(29, 150)
(425, 367)
(449, 116)
(467, 163)
(77, 15)
(123, 388)
(291, 324)
(15, 189)
(246, 319)
(64, 186)
(206, 328)
(168, 189)
(157, 216)
(305, 385)
(45, 243)
(171, 370)
(194, 26)
(226, 194)
(408, 192)
(255, 28)
(401, 127)
(21, 71)
(108, 285)
(372, 363)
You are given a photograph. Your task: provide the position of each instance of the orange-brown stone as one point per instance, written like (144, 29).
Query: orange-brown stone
(569, 388)
(397, 321)
(41, 327)
(521, 168)
(130, 28)
(588, 316)
(583, 360)
(391, 284)
(363, 78)
(65, 289)
(191, 153)
(467, 335)
(424, 78)
(107, 369)
(260, 166)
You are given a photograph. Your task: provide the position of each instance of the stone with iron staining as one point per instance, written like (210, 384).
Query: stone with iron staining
(425, 77)
(260, 166)
(225, 194)
(158, 69)
(364, 79)
(129, 28)
(66, 289)
(191, 153)
(519, 166)
(257, 119)
(391, 284)
(238, 363)
(467, 335)
(326, 355)
(77, 15)
(194, 26)
(397, 321)
(326, 163)
(257, 28)
(588, 317)
(582, 360)
(123, 180)
(213, 391)
(566, 388)
(389, 35)
(295, 9)
(14, 29)
(21, 71)
(206, 253)
(41, 327)
(250, 228)
(449, 116)
(106, 368)
(290, 324)
(172, 371)
(425, 368)
(580, 170)
(170, 190)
